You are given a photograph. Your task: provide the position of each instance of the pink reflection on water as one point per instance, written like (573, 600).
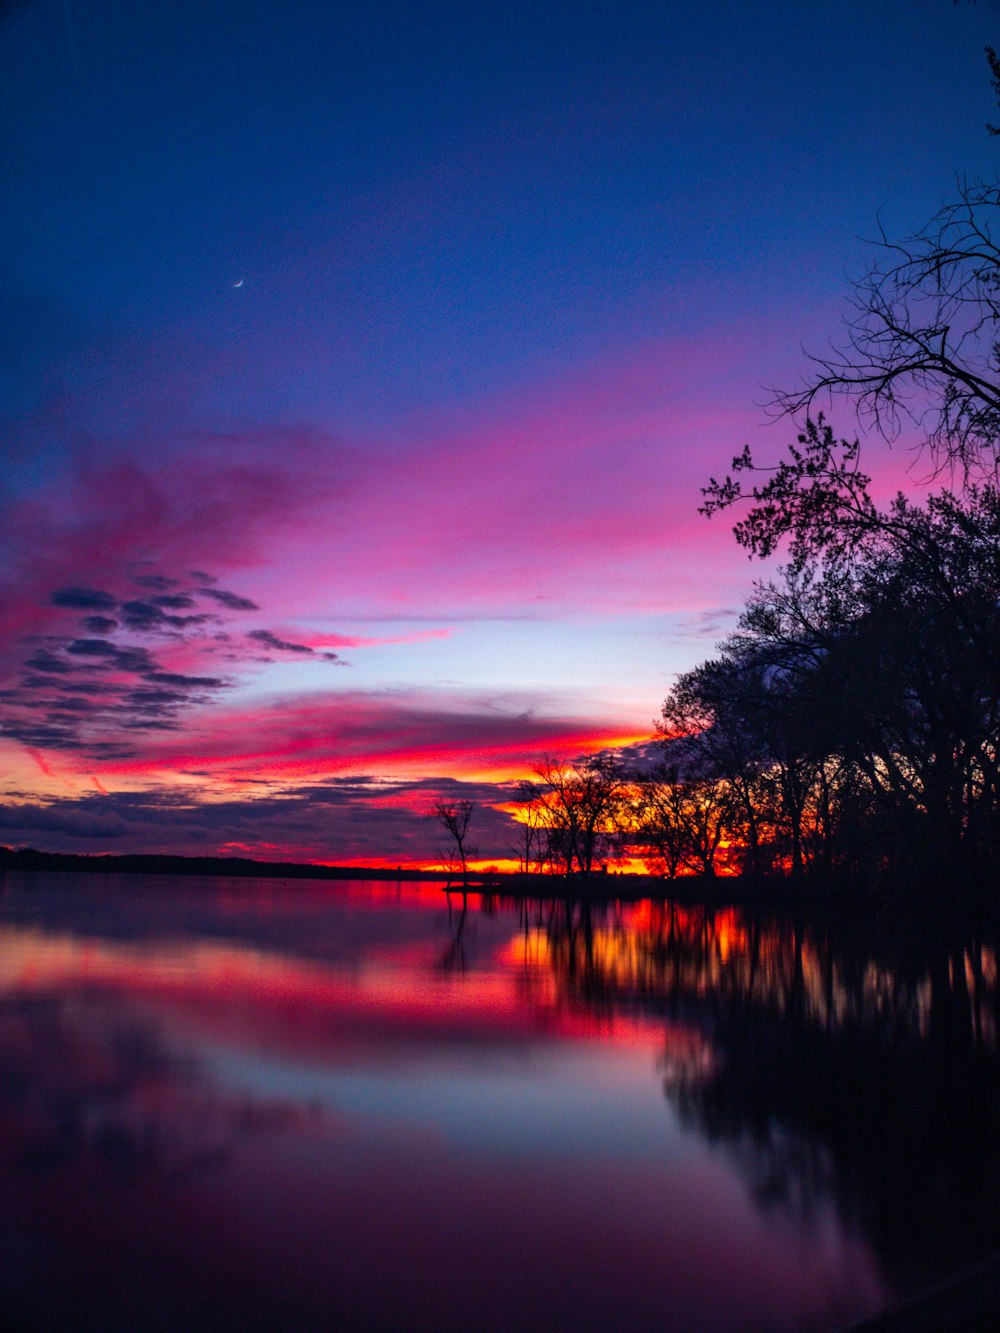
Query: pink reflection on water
(366, 1135)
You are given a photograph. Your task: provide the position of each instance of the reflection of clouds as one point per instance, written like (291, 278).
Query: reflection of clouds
(75, 1073)
(852, 1089)
(327, 977)
(87, 1084)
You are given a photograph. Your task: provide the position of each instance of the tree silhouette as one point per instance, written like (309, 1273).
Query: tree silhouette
(455, 816)
(859, 700)
(922, 344)
(529, 848)
(994, 63)
(579, 807)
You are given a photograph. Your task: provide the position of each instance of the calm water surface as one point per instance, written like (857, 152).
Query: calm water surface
(236, 1104)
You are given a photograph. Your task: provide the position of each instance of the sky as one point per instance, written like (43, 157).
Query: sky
(361, 364)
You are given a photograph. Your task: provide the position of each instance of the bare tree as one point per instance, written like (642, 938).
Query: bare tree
(994, 63)
(658, 833)
(456, 816)
(580, 806)
(923, 337)
(530, 828)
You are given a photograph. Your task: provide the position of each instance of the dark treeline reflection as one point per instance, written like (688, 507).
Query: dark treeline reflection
(848, 1062)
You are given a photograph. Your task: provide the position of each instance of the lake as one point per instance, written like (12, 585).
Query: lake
(232, 1104)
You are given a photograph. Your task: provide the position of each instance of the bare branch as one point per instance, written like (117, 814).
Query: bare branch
(923, 342)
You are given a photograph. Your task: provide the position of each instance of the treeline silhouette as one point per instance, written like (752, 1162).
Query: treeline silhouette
(850, 727)
(848, 732)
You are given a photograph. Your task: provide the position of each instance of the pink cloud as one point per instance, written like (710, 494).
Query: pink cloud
(578, 496)
(582, 500)
(224, 508)
(43, 766)
(359, 733)
(318, 642)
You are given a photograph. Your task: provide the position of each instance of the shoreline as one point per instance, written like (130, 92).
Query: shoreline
(720, 891)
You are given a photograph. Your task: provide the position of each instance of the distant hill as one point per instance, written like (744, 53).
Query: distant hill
(26, 858)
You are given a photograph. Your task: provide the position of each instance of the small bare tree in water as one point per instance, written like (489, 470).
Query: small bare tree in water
(456, 817)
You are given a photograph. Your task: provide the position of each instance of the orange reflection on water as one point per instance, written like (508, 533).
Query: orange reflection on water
(401, 992)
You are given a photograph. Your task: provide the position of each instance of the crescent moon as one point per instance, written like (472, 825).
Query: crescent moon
(238, 284)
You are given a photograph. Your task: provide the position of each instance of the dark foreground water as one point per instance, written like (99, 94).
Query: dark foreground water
(240, 1105)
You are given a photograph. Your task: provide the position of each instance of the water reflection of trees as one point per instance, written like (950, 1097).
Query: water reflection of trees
(862, 1074)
